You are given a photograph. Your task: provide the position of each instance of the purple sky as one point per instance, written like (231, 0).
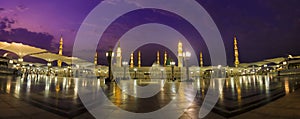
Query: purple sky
(265, 29)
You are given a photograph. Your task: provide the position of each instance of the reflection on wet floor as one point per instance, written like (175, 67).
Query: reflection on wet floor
(59, 94)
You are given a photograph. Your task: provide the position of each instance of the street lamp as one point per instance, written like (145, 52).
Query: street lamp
(172, 63)
(11, 61)
(162, 73)
(135, 69)
(48, 68)
(124, 63)
(231, 71)
(186, 56)
(49, 64)
(20, 60)
(65, 72)
(109, 55)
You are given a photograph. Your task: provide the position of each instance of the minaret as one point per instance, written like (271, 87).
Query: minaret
(96, 58)
(59, 62)
(131, 60)
(119, 56)
(180, 56)
(201, 59)
(165, 58)
(236, 53)
(157, 58)
(139, 59)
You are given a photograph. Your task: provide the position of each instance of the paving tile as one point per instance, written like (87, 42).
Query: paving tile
(86, 115)
(4, 105)
(30, 110)
(281, 108)
(10, 107)
(185, 116)
(10, 113)
(46, 115)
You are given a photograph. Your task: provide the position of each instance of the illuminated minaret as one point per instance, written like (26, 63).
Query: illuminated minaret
(179, 57)
(201, 59)
(236, 53)
(157, 57)
(165, 58)
(59, 62)
(139, 59)
(131, 60)
(119, 56)
(96, 58)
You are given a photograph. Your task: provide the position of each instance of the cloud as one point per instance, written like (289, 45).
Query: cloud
(5, 23)
(5, 12)
(23, 35)
(22, 8)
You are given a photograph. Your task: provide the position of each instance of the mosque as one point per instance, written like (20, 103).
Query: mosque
(124, 69)
(168, 69)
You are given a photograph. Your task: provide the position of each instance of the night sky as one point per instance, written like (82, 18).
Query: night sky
(264, 28)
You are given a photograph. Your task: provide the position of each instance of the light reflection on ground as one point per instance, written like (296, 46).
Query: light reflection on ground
(59, 95)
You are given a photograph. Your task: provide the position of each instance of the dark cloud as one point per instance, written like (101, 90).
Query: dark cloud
(2, 25)
(2, 9)
(5, 23)
(23, 35)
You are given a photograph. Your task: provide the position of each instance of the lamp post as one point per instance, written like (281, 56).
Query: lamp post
(124, 63)
(135, 69)
(172, 63)
(162, 73)
(20, 60)
(11, 61)
(284, 65)
(49, 66)
(186, 56)
(231, 72)
(30, 68)
(109, 55)
(65, 72)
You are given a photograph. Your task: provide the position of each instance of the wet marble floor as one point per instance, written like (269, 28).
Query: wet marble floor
(61, 95)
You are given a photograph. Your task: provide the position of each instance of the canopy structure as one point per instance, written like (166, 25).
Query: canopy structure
(77, 61)
(276, 60)
(4, 45)
(70, 59)
(49, 57)
(24, 50)
(21, 50)
(261, 63)
(296, 56)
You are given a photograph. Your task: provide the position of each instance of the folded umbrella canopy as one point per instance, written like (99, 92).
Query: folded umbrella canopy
(20, 49)
(50, 57)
